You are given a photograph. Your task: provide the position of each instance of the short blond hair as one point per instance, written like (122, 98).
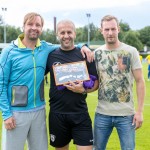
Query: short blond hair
(30, 16)
(109, 18)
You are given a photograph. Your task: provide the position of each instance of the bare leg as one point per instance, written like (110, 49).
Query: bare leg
(63, 148)
(84, 147)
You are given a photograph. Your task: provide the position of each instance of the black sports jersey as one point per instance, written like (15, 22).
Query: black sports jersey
(65, 101)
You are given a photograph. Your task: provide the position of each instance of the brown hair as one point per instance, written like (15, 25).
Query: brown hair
(109, 18)
(31, 16)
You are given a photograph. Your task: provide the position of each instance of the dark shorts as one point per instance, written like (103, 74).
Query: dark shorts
(64, 127)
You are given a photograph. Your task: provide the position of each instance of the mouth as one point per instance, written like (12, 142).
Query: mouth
(110, 38)
(33, 33)
(66, 41)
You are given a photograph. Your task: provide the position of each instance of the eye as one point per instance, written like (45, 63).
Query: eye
(62, 33)
(38, 25)
(107, 30)
(29, 24)
(69, 32)
(114, 29)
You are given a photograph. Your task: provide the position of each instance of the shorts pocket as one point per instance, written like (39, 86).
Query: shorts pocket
(19, 96)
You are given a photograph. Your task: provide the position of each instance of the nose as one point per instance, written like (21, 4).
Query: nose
(33, 27)
(110, 32)
(66, 35)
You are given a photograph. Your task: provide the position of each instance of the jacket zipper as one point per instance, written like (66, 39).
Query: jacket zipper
(13, 96)
(34, 63)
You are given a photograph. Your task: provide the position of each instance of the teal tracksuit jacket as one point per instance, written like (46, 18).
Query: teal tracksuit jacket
(22, 77)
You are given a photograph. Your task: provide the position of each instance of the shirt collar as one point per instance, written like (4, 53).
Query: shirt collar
(21, 45)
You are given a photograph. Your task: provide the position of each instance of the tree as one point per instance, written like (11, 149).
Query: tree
(131, 38)
(49, 36)
(145, 35)
(1, 34)
(81, 34)
(124, 27)
(12, 33)
(1, 20)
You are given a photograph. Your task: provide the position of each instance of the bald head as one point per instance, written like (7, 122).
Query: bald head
(65, 22)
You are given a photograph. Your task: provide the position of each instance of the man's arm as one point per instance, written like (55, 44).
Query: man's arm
(140, 90)
(85, 51)
(5, 65)
(79, 88)
(95, 87)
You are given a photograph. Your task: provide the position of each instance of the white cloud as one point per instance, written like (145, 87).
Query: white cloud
(16, 9)
(50, 5)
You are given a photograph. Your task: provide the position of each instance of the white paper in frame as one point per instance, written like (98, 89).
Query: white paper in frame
(74, 71)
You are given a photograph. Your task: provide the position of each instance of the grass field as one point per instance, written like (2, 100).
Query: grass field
(142, 135)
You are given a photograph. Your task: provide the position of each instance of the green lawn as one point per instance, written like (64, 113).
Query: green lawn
(142, 135)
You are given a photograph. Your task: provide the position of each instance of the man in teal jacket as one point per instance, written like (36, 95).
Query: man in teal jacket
(22, 68)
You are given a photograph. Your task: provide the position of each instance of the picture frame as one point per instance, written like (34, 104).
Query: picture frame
(74, 71)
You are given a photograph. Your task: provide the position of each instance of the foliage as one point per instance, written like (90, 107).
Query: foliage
(1, 19)
(82, 34)
(131, 38)
(12, 33)
(125, 35)
(145, 35)
(124, 27)
(1, 34)
(49, 36)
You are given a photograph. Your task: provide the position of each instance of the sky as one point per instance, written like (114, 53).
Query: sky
(134, 12)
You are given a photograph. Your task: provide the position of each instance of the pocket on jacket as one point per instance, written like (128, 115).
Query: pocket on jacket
(19, 96)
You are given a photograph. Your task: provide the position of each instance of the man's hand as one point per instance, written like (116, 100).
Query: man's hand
(86, 51)
(138, 120)
(75, 87)
(10, 123)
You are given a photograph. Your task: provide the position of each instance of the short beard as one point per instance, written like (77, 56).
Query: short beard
(33, 39)
(111, 42)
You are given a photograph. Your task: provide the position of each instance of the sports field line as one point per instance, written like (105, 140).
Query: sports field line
(3, 137)
(95, 95)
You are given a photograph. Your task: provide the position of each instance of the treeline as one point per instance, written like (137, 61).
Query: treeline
(138, 38)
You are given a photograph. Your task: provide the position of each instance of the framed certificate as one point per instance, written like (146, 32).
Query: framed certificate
(64, 73)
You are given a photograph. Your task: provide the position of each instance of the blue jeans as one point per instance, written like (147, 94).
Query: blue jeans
(149, 71)
(103, 127)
